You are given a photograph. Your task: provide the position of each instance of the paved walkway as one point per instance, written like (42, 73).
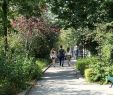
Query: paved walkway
(65, 81)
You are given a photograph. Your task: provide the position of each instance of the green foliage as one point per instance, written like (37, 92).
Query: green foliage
(94, 70)
(67, 37)
(27, 8)
(41, 44)
(39, 38)
(103, 66)
(83, 64)
(82, 13)
(42, 63)
(33, 70)
(106, 52)
(18, 72)
(106, 47)
(12, 74)
(16, 69)
(89, 74)
(100, 71)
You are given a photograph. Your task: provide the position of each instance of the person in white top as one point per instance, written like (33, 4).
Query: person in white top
(53, 56)
(68, 56)
(75, 51)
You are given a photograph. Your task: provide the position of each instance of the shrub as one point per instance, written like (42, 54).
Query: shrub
(32, 69)
(82, 65)
(102, 68)
(12, 75)
(85, 63)
(89, 74)
(17, 72)
(100, 71)
(42, 63)
(35, 72)
(92, 76)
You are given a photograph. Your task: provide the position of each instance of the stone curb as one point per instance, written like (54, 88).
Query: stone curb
(26, 92)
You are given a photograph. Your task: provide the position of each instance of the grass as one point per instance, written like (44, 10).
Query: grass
(42, 63)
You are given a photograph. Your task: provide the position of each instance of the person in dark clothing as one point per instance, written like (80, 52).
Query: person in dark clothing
(61, 56)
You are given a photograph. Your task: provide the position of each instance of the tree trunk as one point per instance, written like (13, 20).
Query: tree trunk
(5, 24)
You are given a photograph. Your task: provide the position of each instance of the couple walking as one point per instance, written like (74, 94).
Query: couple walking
(61, 56)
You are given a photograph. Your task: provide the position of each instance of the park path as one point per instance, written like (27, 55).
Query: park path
(65, 81)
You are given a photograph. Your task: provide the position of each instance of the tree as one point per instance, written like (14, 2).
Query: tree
(26, 7)
(38, 36)
(5, 22)
(81, 13)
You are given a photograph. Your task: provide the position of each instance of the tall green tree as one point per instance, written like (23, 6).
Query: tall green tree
(5, 22)
(27, 8)
(82, 13)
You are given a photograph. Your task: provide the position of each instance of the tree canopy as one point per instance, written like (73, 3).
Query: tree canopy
(82, 13)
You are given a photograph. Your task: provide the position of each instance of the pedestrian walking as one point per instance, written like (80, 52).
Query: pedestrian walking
(53, 56)
(68, 56)
(61, 55)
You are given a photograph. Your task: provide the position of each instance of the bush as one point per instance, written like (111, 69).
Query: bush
(20, 67)
(42, 63)
(103, 67)
(85, 63)
(32, 70)
(99, 71)
(81, 65)
(17, 72)
(12, 75)
(89, 74)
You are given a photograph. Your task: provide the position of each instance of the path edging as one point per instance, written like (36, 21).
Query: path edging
(26, 92)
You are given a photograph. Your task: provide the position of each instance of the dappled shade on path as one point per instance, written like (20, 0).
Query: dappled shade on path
(65, 81)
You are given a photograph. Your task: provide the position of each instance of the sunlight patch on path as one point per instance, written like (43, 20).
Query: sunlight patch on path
(64, 81)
